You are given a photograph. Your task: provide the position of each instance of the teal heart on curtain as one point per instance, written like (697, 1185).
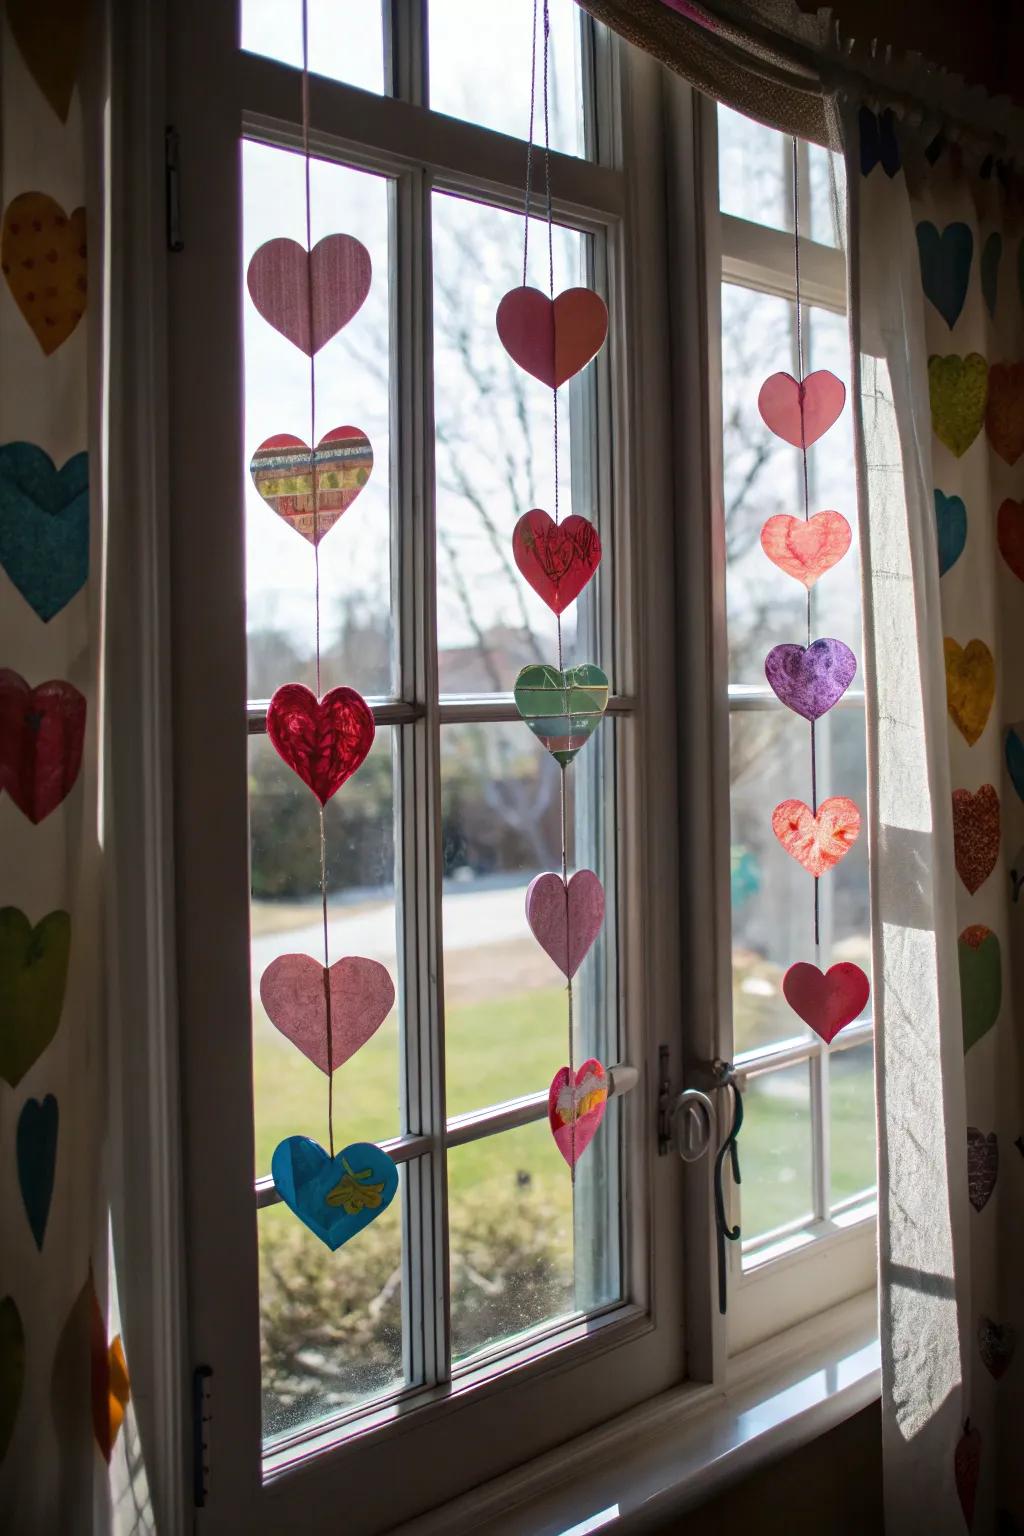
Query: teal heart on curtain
(945, 266)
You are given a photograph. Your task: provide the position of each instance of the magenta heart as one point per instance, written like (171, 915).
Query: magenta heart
(810, 679)
(292, 991)
(798, 412)
(565, 920)
(282, 273)
(576, 1108)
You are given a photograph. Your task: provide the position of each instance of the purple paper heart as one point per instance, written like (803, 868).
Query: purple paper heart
(811, 679)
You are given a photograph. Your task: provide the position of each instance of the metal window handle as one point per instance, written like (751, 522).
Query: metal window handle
(693, 1125)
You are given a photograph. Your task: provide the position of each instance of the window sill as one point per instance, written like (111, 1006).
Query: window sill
(683, 1447)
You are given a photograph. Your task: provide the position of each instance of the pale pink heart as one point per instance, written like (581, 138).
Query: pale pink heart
(806, 550)
(575, 1110)
(293, 993)
(565, 920)
(801, 413)
(282, 274)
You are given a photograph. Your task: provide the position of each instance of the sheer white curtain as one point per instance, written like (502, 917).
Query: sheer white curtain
(935, 304)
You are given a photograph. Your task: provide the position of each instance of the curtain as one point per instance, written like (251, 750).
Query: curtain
(936, 294)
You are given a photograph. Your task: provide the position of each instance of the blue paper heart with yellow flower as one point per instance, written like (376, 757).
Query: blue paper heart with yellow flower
(337, 1196)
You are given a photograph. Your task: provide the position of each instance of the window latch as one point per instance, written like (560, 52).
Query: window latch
(172, 181)
(686, 1123)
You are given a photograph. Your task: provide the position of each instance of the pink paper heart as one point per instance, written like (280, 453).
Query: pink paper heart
(565, 920)
(280, 276)
(552, 338)
(801, 413)
(806, 550)
(575, 1110)
(293, 993)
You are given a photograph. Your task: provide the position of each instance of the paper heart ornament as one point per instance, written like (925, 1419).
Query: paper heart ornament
(33, 976)
(967, 1471)
(42, 731)
(996, 1345)
(806, 550)
(557, 559)
(292, 990)
(958, 388)
(42, 253)
(576, 1108)
(950, 530)
(981, 981)
(44, 525)
(810, 679)
(975, 834)
(552, 338)
(970, 686)
(565, 919)
(827, 1002)
(1010, 535)
(12, 1369)
(111, 1389)
(322, 740)
(982, 1166)
(338, 1196)
(562, 708)
(283, 470)
(1004, 414)
(49, 34)
(798, 412)
(283, 274)
(1015, 756)
(36, 1157)
(945, 266)
(819, 841)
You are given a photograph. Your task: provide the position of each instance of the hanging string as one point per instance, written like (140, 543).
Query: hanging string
(529, 142)
(807, 493)
(316, 555)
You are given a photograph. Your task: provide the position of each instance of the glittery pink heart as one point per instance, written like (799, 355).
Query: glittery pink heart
(565, 920)
(293, 993)
(576, 1109)
(798, 412)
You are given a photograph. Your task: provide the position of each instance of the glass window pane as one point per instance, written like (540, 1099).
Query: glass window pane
(330, 1323)
(494, 451)
(346, 41)
(480, 68)
(290, 1092)
(775, 1151)
(352, 383)
(755, 179)
(852, 1099)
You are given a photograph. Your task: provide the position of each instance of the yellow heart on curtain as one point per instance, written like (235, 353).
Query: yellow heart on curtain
(970, 686)
(958, 387)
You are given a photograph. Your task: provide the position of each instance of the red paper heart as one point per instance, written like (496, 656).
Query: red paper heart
(817, 841)
(826, 1002)
(1004, 413)
(41, 734)
(557, 559)
(552, 339)
(576, 1110)
(282, 472)
(800, 413)
(806, 550)
(362, 995)
(280, 277)
(323, 741)
(975, 834)
(1010, 535)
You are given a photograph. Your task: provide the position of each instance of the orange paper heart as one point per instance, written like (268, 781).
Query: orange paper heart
(42, 253)
(817, 842)
(1004, 414)
(806, 551)
(111, 1389)
(970, 686)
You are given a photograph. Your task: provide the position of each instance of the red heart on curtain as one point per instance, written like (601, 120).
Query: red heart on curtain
(806, 550)
(826, 1002)
(1010, 535)
(1004, 414)
(322, 740)
(552, 338)
(41, 735)
(289, 285)
(798, 412)
(557, 559)
(817, 841)
(975, 834)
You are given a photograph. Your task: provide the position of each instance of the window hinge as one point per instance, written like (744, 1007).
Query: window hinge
(172, 180)
(200, 1466)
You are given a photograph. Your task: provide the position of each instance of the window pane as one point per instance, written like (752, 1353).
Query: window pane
(852, 1097)
(346, 42)
(290, 1092)
(755, 179)
(352, 383)
(494, 451)
(775, 1151)
(330, 1323)
(480, 68)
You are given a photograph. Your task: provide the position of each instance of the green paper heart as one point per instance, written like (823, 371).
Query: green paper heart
(12, 1369)
(33, 974)
(981, 981)
(562, 708)
(959, 392)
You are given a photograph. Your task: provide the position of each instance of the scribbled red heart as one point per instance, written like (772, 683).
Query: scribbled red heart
(1004, 413)
(975, 834)
(552, 338)
(826, 1002)
(798, 412)
(967, 1470)
(41, 735)
(1010, 535)
(291, 286)
(323, 741)
(557, 559)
